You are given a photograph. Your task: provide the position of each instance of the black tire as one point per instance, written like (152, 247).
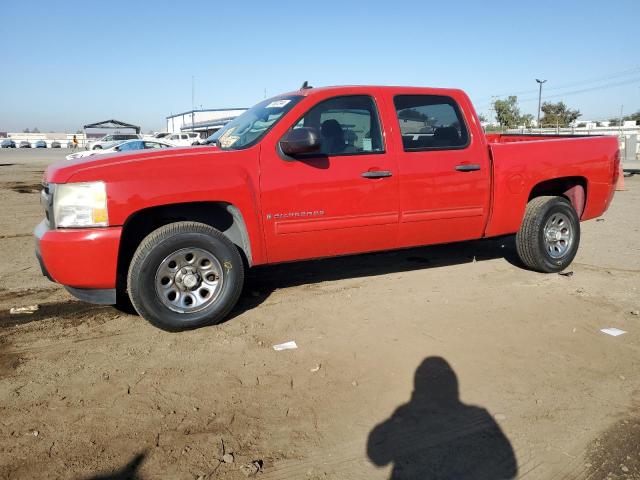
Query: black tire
(169, 240)
(531, 244)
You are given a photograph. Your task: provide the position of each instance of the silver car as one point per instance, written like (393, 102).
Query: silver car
(110, 140)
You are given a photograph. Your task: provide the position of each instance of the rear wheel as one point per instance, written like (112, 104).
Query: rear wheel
(185, 275)
(549, 236)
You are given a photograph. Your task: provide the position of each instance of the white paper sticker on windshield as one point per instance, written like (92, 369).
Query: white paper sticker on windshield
(366, 144)
(278, 104)
(226, 139)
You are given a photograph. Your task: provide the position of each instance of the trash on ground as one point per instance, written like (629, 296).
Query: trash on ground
(250, 469)
(635, 312)
(316, 368)
(566, 274)
(285, 346)
(24, 310)
(228, 458)
(614, 332)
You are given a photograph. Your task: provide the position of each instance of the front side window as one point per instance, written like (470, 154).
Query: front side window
(346, 125)
(430, 122)
(133, 145)
(250, 127)
(154, 145)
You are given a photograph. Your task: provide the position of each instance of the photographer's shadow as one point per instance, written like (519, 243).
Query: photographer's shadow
(435, 436)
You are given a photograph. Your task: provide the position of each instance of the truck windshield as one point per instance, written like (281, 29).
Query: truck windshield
(252, 125)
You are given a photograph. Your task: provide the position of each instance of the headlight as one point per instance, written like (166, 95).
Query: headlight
(80, 205)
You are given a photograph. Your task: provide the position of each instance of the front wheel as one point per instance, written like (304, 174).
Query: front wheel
(549, 236)
(185, 275)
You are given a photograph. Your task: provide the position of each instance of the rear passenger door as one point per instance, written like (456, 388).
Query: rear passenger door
(444, 173)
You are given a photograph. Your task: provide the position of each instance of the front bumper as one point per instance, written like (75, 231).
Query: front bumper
(83, 260)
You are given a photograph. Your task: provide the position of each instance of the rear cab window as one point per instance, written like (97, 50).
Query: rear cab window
(430, 122)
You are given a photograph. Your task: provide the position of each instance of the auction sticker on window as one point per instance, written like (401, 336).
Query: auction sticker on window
(278, 104)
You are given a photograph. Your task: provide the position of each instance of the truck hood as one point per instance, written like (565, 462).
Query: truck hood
(63, 171)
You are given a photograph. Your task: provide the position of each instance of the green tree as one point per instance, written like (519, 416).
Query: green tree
(558, 114)
(507, 112)
(26, 130)
(482, 118)
(634, 116)
(526, 120)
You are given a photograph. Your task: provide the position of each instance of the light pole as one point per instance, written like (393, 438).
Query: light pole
(540, 99)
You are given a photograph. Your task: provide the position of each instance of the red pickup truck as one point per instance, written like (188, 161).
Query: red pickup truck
(313, 173)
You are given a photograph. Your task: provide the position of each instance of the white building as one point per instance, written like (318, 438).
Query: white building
(206, 121)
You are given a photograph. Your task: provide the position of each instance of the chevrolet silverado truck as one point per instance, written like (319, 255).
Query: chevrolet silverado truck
(314, 173)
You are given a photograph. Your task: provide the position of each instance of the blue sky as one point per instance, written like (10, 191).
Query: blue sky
(65, 64)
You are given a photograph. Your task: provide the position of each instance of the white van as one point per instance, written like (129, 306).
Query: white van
(184, 139)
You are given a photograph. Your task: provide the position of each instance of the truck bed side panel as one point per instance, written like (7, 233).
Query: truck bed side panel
(520, 166)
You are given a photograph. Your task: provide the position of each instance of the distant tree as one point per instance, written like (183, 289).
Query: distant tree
(78, 131)
(35, 130)
(558, 114)
(581, 125)
(526, 120)
(614, 122)
(411, 114)
(482, 118)
(507, 112)
(634, 116)
(26, 130)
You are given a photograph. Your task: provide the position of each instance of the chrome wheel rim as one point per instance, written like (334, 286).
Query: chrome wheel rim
(189, 280)
(558, 235)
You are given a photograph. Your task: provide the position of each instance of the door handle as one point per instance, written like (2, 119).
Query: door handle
(376, 174)
(468, 167)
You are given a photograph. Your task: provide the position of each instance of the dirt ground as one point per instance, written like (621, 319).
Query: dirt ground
(438, 362)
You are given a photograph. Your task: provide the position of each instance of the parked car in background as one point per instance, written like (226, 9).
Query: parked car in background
(8, 143)
(126, 146)
(55, 144)
(40, 144)
(183, 139)
(24, 144)
(310, 174)
(110, 140)
(161, 134)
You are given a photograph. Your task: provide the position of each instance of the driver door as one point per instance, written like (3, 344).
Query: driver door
(340, 200)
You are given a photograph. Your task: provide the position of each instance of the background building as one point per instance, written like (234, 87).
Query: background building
(206, 121)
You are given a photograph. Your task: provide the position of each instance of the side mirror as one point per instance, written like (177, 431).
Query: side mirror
(299, 141)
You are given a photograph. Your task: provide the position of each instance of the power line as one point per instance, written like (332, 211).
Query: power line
(602, 78)
(575, 92)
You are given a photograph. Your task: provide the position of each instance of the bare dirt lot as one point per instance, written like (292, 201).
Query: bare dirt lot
(439, 362)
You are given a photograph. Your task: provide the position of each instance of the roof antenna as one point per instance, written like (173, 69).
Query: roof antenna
(305, 86)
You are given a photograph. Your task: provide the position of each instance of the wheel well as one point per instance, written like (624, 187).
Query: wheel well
(573, 189)
(220, 215)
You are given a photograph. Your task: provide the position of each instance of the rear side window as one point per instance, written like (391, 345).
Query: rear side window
(430, 122)
(347, 125)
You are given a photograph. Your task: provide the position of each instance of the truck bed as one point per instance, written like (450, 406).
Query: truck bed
(524, 163)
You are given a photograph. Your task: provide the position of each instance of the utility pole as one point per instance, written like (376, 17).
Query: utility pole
(620, 121)
(540, 98)
(193, 89)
